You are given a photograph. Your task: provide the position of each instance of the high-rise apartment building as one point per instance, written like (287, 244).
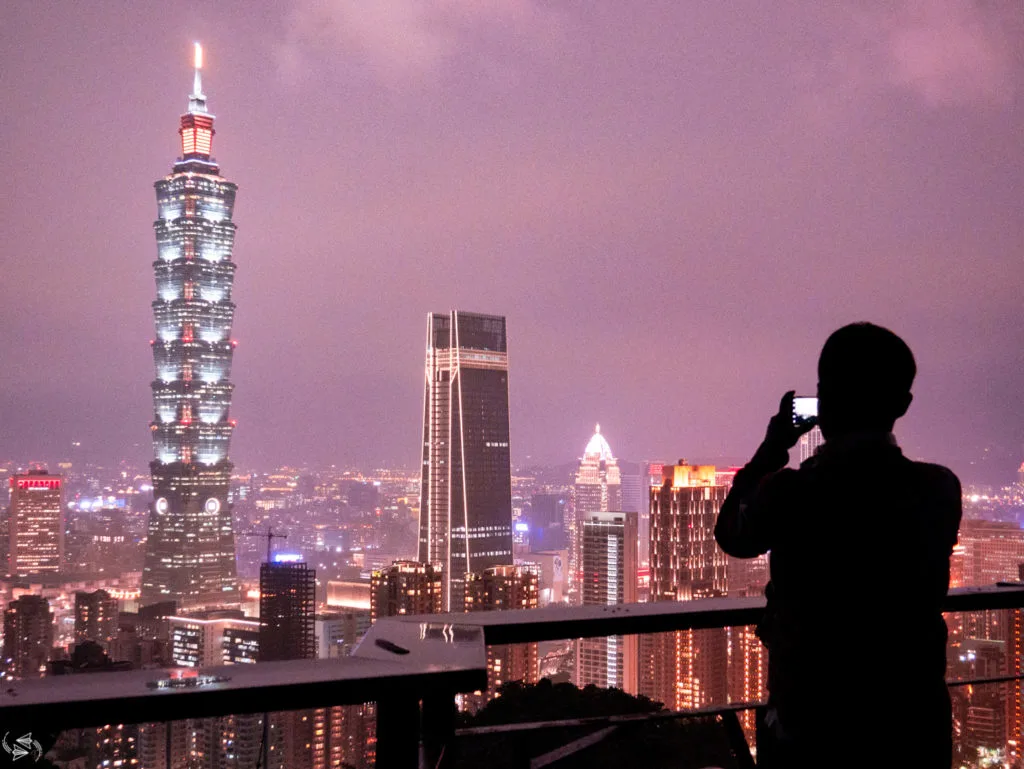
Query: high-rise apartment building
(95, 617)
(1015, 693)
(190, 551)
(609, 565)
(406, 587)
(686, 668)
(345, 737)
(809, 443)
(229, 742)
(287, 611)
(466, 488)
(35, 524)
(28, 636)
(598, 489)
(502, 588)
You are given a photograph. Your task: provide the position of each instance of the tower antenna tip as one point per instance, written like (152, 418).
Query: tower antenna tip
(198, 56)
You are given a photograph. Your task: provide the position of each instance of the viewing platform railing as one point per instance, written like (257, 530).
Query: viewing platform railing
(412, 667)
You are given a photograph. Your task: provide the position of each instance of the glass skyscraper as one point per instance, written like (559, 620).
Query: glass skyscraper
(608, 562)
(190, 553)
(466, 487)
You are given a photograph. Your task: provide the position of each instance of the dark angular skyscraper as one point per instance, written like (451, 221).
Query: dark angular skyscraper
(287, 611)
(190, 552)
(466, 488)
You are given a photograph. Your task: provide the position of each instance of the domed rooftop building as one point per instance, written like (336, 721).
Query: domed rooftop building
(598, 489)
(598, 447)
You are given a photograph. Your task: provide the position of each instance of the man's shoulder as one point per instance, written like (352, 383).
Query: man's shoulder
(938, 477)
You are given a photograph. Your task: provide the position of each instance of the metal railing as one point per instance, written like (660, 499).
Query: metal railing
(412, 667)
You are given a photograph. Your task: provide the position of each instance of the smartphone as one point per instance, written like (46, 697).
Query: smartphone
(805, 411)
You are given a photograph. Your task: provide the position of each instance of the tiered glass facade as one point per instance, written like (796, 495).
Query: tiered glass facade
(190, 553)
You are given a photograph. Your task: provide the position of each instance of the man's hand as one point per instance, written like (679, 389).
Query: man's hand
(782, 433)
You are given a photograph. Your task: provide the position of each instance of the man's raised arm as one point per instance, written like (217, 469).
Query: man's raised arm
(749, 516)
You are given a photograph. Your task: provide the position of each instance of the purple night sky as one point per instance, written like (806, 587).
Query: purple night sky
(673, 203)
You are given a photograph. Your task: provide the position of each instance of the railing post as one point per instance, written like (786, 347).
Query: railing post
(398, 733)
(439, 730)
(737, 740)
(762, 736)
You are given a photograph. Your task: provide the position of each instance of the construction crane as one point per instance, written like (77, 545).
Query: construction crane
(269, 535)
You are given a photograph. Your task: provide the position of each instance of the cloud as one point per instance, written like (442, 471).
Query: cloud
(404, 40)
(945, 52)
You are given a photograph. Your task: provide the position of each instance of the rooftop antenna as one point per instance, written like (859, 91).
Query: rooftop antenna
(197, 83)
(197, 99)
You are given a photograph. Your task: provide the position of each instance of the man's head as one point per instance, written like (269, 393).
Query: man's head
(864, 378)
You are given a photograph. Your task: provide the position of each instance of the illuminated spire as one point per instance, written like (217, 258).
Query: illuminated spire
(197, 100)
(598, 447)
(197, 124)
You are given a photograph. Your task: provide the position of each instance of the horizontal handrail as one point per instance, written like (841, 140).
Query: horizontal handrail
(401, 658)
(553, 623)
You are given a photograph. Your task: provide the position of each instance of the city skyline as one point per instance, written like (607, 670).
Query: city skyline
(859, 182)
(112, 569)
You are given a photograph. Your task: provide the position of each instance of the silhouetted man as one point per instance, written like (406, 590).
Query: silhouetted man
(860, 539)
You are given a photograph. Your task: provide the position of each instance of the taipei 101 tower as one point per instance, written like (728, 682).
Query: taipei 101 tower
(190, 551)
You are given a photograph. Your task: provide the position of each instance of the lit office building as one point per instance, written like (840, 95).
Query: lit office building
(406, 587)
(609, 563)
(546, 521)
(686, 668)
(28, 636)
(636, 497)
(465, 520)
(95, 617)
(991, 552)
(35, 524)
(190, 552)
(339, 632)
(504, 588)
(287, 610)
(598, 489)
(209, 638)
